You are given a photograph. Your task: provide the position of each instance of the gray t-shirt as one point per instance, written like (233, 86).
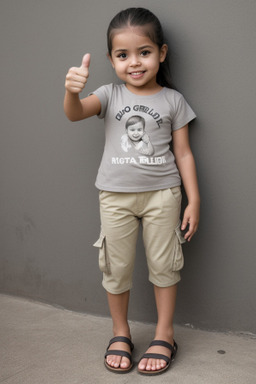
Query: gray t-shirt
(138, 130)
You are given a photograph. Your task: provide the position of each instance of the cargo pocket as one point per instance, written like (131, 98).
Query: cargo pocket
(178, 259)
(104, 263)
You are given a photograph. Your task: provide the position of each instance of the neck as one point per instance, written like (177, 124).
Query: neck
(144, 91)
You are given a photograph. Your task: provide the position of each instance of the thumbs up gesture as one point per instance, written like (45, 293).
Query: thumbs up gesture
(76, 77)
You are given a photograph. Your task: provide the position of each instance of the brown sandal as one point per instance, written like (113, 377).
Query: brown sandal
(119, 353)
(168, 360)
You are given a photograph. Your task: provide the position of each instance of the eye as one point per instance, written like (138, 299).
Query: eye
(122, 56)
(145, 53)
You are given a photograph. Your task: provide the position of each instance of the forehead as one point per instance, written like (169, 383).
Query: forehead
(130, 36)
(137, 125)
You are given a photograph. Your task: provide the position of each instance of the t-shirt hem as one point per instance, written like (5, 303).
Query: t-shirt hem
(136, 189)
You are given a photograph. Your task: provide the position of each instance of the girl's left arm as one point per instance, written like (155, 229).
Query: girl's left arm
(187, 168)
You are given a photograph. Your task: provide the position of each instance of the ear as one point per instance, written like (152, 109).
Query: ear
(111, 60)
(163, 52)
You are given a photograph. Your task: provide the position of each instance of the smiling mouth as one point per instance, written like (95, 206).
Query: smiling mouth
(138, 73)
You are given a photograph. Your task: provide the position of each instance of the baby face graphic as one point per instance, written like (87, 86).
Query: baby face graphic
(135, 128)
(136, 136)
(135, 131)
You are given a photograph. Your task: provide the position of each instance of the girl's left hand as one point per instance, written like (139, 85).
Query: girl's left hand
(145, 138)
(191, 217)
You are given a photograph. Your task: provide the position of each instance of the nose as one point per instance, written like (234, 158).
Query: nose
(134, 61)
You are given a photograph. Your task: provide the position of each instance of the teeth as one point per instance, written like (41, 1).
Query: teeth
(136, 73)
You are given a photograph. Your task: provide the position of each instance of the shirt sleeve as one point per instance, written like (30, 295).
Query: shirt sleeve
(103, 93)
(183, 113)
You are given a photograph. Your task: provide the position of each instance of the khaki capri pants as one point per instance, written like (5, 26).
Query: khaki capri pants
(121, 215)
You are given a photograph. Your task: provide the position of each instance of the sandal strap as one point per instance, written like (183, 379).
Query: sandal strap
(117, 352)
(162, 343)
(121, 339)
(156, 356)
(173, 348)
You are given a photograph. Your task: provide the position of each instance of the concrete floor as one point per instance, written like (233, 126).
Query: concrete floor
(41, 344)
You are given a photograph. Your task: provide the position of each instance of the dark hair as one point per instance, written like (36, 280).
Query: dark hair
(141, 17)
(134, 120)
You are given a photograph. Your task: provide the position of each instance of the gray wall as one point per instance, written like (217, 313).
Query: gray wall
(49, 206)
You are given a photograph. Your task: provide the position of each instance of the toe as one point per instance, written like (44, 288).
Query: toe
(125, 363)
(151, 365)
(158, 364)
(113, 361)
(117, 361)
(162, 363)
(143, 364)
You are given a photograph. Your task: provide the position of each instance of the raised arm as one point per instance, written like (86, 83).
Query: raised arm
(186, 165)
(75, 108)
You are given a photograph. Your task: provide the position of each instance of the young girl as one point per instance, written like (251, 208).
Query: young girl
(140, 188)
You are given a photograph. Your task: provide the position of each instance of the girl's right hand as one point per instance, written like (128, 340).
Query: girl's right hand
(76, 77)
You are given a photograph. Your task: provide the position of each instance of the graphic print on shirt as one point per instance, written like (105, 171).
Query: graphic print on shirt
(136, 142)
(136, 137)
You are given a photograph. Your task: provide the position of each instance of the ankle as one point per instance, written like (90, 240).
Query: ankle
(122, 331)
(164, 333)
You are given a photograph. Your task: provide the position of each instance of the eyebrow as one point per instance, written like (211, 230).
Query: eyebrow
(139, 49)
(146, 46)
